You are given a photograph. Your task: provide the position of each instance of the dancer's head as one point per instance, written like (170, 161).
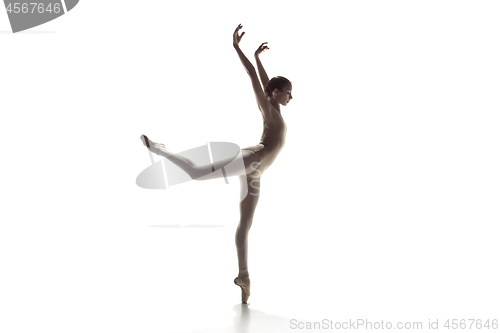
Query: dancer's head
(279, 89)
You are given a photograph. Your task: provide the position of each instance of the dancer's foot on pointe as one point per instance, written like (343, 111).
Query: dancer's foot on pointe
(246, 280)
(243, 280)
(157, 148)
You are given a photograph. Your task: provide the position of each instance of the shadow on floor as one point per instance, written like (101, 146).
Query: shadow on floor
(247, 320)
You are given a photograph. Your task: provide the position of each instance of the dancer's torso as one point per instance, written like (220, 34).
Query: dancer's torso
(273, 139)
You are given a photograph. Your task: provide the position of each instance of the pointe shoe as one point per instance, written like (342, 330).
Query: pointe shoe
(146, 141)
(156, 147)
(245, 292)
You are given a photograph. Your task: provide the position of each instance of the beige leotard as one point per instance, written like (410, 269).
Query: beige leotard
(271, 143)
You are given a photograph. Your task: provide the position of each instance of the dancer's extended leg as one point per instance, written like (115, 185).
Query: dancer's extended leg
(232, 166)
(247, 209)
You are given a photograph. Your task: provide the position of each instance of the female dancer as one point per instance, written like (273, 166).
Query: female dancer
(256, 158)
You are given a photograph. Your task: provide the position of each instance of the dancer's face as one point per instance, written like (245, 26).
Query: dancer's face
(285, 95)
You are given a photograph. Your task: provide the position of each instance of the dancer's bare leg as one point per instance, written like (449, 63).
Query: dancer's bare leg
(205, 172)
(247, 209)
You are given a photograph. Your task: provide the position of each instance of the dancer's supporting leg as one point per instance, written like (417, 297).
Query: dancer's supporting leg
(247, 209)
(232, 166)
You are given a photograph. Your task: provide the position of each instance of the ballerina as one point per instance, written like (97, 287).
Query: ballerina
(278, 91)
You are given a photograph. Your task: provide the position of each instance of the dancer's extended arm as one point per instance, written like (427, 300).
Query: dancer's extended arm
(262, 73)
(264, 104)
(244, 60)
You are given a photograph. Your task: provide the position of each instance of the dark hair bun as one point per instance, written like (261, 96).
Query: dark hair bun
(268, 93)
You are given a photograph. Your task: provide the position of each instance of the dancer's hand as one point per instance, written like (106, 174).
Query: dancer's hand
(236, 38)
(261, 48)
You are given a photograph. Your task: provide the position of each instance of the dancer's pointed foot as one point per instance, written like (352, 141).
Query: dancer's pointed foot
(157, 148)
(244, 283)
(145, 140)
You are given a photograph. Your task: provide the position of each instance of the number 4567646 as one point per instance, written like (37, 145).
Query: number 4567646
(470, 324)
(33, 7)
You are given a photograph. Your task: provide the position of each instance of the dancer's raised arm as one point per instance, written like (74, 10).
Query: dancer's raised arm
(262, 73)
(264, 105)
(246, 63)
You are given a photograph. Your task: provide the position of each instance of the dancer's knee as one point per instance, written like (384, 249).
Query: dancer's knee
(201, 173)
(245, 224)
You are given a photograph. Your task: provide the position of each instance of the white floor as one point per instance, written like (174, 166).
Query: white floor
(147, 273)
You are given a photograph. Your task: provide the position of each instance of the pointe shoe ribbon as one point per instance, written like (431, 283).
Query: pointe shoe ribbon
(245, 292)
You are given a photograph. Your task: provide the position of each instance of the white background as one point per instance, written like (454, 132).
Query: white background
(383, 204)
